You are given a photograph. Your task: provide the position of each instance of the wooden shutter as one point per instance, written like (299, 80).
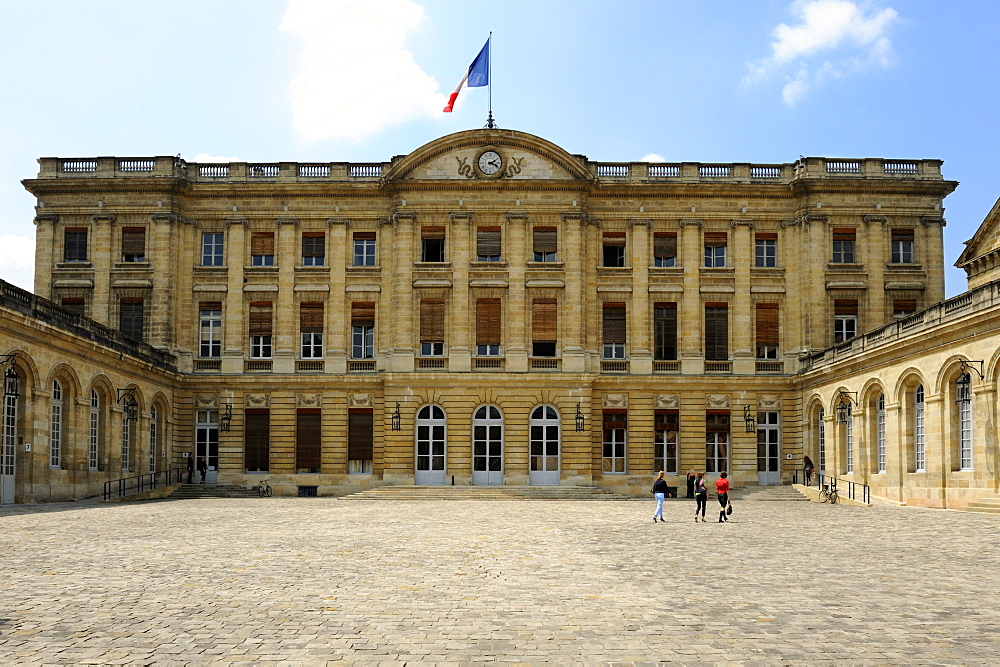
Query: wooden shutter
(543, 320)
(614, 238)
(767, 324)
(360, 236)
(209, 305)
(432, 232)
(262, 243)
(313, 244)
(614, 323)
(360, 436)
(256, 440)
(717, 331)
(363, 314)
(666, 420)
(308, 440)
(664, 244)
(615, 419)
(899, 305)
(717, 421)
(432, 320)
(843, 234)
(715, 239)
(544, 239)
(488, 241)
(487, 321)
(771, 236)
(845, 307)
(311, 317)
(73, 305)
(134, 241)
(260, 318)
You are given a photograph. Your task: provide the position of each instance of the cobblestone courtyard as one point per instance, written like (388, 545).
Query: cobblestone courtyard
(303, 581)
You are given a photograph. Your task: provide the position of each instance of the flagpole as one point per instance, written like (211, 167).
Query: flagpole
(489, 79)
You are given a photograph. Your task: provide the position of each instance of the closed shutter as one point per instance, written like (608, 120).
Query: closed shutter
(262, 243)
(666, 420)
(360, 435)
(256, 440)
(902, 235)
(543, 319)
(717, 331)
(715, 239)
(73, 305)
(260, 319)
(209, 305)
(363, 314)
(313, 244)
(614, 238)
(544, 239)
(432, 232)
(614, 323)
(617, 419)
(308, 440)
(487, 321)
(717, 421)
(843, 234)
(311, 317)
(432, 320)
(845, 307)
(488, 242)
(899, 305)
(664, 244)
(770, 236)
(134, 241)
(767, 324)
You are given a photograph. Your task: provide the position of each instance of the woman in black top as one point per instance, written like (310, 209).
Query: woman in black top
(690, 484)
(659, 492)
(701, 496)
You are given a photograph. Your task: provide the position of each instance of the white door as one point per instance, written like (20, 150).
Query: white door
(487, 446)
(8, 446)
(544, 446)
(431, 446)
(207, 445)
(768, 449)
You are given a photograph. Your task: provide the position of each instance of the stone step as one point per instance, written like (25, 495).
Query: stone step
(774, 494)
(981, 509)
(189, 491)
(486, 493)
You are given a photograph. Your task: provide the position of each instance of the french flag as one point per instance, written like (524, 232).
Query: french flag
(476, 76)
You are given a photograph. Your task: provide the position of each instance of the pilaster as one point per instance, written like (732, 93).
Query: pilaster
(235, 331)
(641, 356)
(690, 316)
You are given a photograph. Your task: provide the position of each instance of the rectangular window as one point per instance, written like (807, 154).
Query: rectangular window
(715, 249)
(211, 249)
(363, 330)
(965, 434)
(261, 317)
(845, 320)
(74, 305)
(308, 441)
(257, 440)
(313, 249)
(262, 249)
(130, 318)
(767, 331)
(133, 244)
(664, 249)
(716, 331)
(843, 246)
(431, 327)
(487, 327)
(665, 332)
(614, 331)
(432, 244)
(615, 423)
(364, 249)
(902, 246)
(75, 246)
(360, 441)
(880, 434)
(614, 249)
(311, 329)
(543, 327)
(544, 242)
(716, 441)
(210, 329)
(766, 250)
(903, 308)
(667, 427)
(488, 244)
(919, 441)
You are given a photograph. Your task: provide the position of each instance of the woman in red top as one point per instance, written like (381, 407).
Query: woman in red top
(722, 489)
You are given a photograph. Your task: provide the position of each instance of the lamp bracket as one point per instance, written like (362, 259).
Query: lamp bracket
(968, 365)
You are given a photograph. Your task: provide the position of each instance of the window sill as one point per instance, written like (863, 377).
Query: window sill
(552, 266)
(844, 266)
(488, 265)
(133, 265)
(261, 269)
(354, 268)
(904, 267)
(719, 269)
(75, 265)
(212, 268)
(431, 265)
(312, 269)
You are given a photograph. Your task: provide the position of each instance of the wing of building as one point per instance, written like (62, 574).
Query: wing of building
(491, 309)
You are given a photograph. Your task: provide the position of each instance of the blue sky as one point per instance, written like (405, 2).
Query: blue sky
(324, 80)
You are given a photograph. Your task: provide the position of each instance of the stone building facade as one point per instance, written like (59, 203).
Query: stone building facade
(491, 309)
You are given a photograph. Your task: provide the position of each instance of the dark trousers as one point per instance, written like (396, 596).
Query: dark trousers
(702, 500)
(723, 501)
(690, 488)
(190, 476)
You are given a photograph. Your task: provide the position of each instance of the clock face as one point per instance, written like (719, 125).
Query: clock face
(490, 162)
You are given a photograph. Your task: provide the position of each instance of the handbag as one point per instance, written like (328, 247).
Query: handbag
(729, 509)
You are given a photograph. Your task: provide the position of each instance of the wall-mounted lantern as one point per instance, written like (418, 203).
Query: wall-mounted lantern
(579, 418)
(845, 399)
(748, 420)
(129, 405)
(226, 420)
(963, 385)
(11, 380)
(397, 419)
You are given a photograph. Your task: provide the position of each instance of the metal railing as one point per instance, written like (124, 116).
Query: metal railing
(823, 480)
(127, 486)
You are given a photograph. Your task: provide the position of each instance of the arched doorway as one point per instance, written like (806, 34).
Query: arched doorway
(431, 446)
(544, 446)
(487, 446)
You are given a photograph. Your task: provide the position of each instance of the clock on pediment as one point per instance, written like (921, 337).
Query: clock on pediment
(489, 162)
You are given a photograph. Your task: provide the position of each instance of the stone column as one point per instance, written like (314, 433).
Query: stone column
(588, 316)
(639, 324)
(234, 324)
(163, 300)
(690, 314)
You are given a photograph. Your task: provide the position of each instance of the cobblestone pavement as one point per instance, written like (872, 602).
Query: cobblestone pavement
(304, 581)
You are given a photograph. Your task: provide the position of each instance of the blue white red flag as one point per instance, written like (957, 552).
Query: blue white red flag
(476, 76)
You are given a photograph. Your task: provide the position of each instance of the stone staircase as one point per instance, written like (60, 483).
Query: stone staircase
(190, 491)
(486, 493)
(983, 506)
(771, 493)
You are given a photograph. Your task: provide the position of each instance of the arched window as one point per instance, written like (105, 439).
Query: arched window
(56, 426)
(544, 445)
(965, 428)
(880, 433)
(95, 431)
(821, 438)
(849, 443)
(431, 445)
(7, 448)
(919, 444)
(153, 434)
(126, 441)
(487, 445)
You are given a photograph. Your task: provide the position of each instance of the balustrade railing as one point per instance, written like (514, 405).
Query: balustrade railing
(314, 170)
(213, 170)
(263, 170)
(136, 165)
(309, 366)
(843, 167)
(543, 364)
(489, 363)
(79, 165)
(207, 365)
(663, 171)
(666, 367)
(901, 168)
(765, 171)
(612, 170)
(715, 171)
(718, 367)
(366, 170)
(361, 366)
(258, 365)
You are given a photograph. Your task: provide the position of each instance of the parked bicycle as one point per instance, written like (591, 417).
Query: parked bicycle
(828, 494)
(264, 489)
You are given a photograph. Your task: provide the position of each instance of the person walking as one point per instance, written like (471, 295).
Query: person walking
(808, 465)
(690, 484)
(203, 468)
(700, 496)
(190, 467)
(722, 491)
(659, 492)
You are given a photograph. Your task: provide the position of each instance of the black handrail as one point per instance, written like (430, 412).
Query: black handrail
(852, 487)
(132, 485)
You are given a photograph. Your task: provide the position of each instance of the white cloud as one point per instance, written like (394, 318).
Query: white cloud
(355, 76)
(838, 30)
(17, 260)
(653, 157)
